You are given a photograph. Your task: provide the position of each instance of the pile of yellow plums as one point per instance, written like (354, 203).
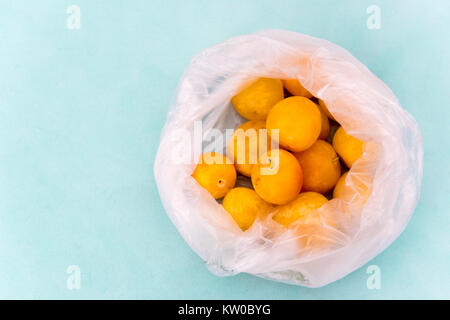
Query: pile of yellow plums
(298, 160)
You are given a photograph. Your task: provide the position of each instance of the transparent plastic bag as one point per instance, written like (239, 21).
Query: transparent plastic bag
(381, 191)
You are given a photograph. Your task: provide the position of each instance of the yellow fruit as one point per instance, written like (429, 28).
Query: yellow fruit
(255, 101)
(245, 205)
(325, 128)
(321, 167)
(295, 88)
(325, 110)
(359, 190)
(216, 173)
(348, 148)
(313, 230)
(300, 208)
(244, 145)
(338, 188)
(277, 178)
(298, 120)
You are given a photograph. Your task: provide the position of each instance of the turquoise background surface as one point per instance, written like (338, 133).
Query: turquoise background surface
(80, 117)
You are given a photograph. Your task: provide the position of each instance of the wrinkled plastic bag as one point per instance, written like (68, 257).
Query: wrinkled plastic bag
(381, 191)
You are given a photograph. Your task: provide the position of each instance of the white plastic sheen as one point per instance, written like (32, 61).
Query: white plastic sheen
(382, 188)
